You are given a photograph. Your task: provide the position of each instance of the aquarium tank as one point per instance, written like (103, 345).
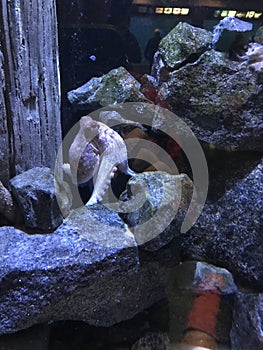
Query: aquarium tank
(131, 136)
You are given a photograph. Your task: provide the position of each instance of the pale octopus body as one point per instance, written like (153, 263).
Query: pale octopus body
(97, 151)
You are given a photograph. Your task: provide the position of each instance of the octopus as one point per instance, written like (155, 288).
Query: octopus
(98, 152)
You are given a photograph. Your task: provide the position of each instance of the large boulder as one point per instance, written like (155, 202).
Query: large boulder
(35, 193)
(7, 205)
(183, 43)
(247, 329)
(228, 233)
(117, 86)
(87, 270)
(157, 202)
(220, 99)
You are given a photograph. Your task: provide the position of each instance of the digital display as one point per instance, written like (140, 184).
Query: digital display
(172, 10)
(238, 14)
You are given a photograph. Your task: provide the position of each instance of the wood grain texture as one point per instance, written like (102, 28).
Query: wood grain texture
(5, 151)
(32, 92)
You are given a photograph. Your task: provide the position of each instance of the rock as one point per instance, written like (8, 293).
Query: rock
(153, 202)
(258, 37)
(148, 80)
(149, 84)
(228, 232)
(153, 341)
(79, 335)
(87, 270)
(183, 43)
(159, 70)
(113, 118)
(221, 100)
(117, 86)
(7, 205)
(35, 192)
(126, 114)
(254, 57)
(247, 329)
(208, 277)
(232, 25)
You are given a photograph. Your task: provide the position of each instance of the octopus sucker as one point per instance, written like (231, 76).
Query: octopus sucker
(97, 151)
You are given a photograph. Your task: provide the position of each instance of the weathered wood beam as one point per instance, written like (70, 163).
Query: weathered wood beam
(5, 150)
(32, 92)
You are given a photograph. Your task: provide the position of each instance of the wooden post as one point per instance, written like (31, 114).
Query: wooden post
(4, 136)
(30, 127)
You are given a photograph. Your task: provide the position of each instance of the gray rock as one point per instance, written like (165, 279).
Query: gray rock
(156, 201)
(117, 86)
(258, 37)
(153, 341)
(128, 114)
(221, 100)
(87, 270)
(229, 232)
(7, 205)
(182, 43)
(208, 277)
(35, 192)
(159, 71)
(247, 328)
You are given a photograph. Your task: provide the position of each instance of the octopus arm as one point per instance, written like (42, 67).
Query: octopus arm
(102, 180)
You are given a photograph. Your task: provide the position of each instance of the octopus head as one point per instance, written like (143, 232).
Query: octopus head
(89, 127)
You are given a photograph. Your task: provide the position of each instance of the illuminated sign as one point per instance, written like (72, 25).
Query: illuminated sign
(184, 11)
(159, 10)
(168, 10)
(172, 10)
(238, 14)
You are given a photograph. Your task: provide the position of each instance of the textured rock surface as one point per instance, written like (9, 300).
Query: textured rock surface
(87, 270)
(247, 329)
(117, 86)
(220, 99)
(157, 197)
(258, 38)
(229, 232)
(209, 277)
(153, 341)
(35, 192)
(7, 206)
(183, 42)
